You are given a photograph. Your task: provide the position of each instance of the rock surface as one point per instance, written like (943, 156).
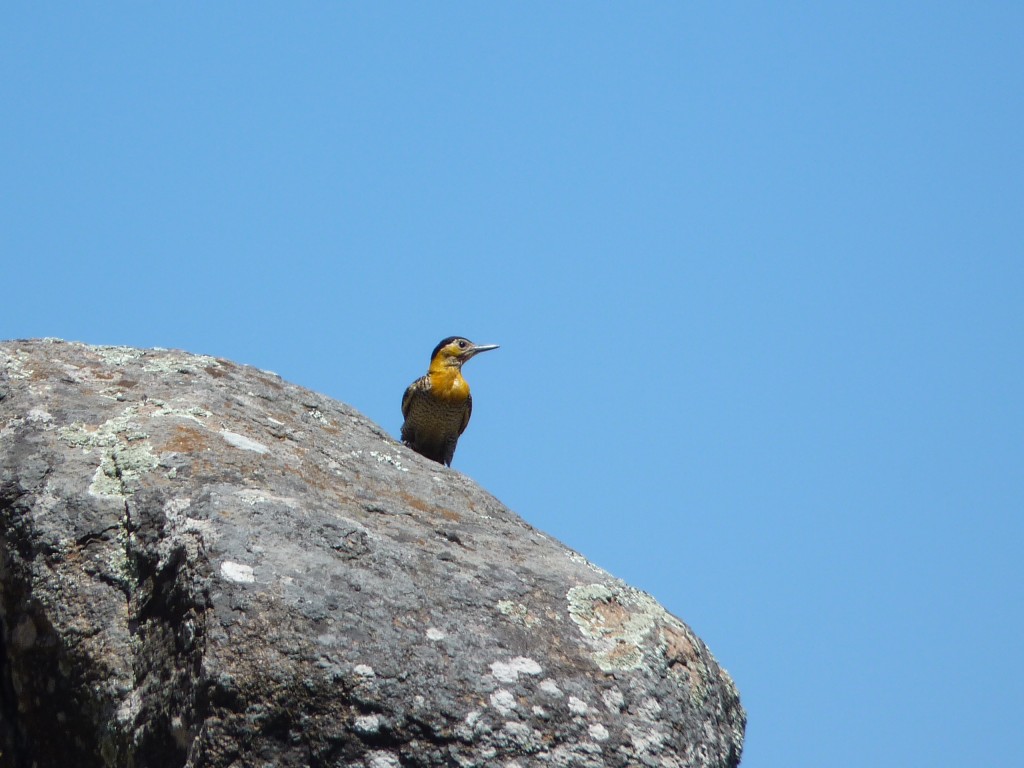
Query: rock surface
(203, 565)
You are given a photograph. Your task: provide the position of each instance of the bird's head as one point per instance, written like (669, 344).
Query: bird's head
(455, 350)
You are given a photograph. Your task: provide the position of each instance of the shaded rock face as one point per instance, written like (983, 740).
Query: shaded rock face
(202, 565)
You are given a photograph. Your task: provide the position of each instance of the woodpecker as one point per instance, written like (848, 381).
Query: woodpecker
(437, 406)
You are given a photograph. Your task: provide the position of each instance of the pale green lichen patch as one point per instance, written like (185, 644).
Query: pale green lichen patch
(117, 355)
(170, 362)
(624, 624)
(119, 468)
(156, 360)
(164, 410)
(105, 435)
(517, 613)
(618, 621)
(15, 368)
(125, 453)
(120, 566)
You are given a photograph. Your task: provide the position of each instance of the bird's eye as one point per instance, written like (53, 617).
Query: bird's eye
(462, 344)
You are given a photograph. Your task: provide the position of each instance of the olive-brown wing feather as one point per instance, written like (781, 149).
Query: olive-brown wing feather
(415, 390)
(467, 414)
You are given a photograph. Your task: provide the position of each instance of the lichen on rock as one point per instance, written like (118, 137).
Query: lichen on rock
(204, 565)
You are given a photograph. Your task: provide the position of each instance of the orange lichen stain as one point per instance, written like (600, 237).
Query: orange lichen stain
(431, 509)
(624, 652)
(40, 374)
(612, 615)
(678, 647)
(314, 476)
(216, 371)
(680, 654)
(272, 383)
(187, 439)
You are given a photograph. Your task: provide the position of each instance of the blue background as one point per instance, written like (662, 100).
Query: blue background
(756, 269)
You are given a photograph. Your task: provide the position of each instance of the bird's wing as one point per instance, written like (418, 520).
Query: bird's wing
(467, 414)
(420, 385)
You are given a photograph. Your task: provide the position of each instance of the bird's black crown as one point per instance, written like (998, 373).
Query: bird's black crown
(443, 343)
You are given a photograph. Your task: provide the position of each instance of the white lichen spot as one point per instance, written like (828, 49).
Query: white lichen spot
(128, 711)
(364, 670)
(387, 458)
(251, 496)
(540, 712)
(237, 572)
(509, 671)
(39, 416)
(176, 507)
(579, 559)
(649, 709)
(644, 739)
(196, 530)
(15, 367)
(613, 700)
(243, 442)
(435, 634)
(520, 734)
(381, 759)
(598, 732)
(550, 687)
(578, 706)
(367, 724)
(503, 701)
(582, 753)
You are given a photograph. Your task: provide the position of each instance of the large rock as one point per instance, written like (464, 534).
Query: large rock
(204, 565)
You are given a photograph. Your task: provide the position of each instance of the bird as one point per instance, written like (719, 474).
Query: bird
(437, 407)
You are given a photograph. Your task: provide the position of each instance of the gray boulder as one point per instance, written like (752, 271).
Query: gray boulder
(203, 565)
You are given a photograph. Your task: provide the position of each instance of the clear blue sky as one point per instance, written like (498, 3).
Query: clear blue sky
(757, 271)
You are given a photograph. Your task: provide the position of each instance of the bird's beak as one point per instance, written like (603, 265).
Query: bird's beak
(477, 348)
